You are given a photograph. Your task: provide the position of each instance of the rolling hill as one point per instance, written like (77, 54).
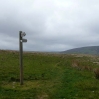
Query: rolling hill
(94, 50)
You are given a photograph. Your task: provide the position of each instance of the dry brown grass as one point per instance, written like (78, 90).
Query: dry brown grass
(96, 72)
(75, 64)
(87, 68)
(43, 96)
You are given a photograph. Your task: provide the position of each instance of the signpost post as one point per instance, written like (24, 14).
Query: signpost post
(21, 40)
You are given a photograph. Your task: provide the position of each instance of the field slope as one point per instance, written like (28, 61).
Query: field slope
(48, 76)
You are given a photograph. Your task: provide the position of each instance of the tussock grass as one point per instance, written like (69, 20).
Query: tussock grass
(96, 72)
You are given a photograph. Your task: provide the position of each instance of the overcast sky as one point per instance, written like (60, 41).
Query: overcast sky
(50, 25)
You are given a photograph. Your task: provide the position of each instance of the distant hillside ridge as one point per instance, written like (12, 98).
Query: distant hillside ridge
(94, 50)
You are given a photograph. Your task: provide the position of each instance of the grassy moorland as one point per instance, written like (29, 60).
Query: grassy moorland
(49, 76)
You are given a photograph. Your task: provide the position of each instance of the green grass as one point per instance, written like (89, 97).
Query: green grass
(48, 76)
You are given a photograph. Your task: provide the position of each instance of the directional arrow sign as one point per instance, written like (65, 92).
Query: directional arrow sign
(24, 40)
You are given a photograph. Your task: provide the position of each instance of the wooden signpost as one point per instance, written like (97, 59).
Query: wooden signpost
(21, 40)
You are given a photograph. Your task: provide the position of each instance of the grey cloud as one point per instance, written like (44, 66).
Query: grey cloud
(50, 25)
